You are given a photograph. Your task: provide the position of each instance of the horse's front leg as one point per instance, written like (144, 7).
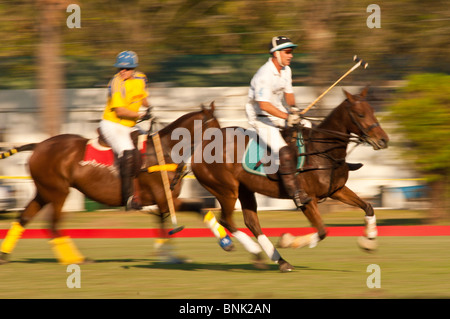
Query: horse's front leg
(347, 196)
(311, 212)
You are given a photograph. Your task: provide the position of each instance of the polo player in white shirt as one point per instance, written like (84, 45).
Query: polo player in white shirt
(267, 113)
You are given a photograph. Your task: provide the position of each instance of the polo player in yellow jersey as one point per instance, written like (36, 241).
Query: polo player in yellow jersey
(127, 93)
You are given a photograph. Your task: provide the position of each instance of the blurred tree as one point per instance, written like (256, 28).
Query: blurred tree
(422, 112)
(414, 36)
(50, 69)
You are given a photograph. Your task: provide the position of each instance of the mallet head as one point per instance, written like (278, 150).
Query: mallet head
(176, 230)
(364, 64)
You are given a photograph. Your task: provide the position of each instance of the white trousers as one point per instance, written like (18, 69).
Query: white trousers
(117, 136)
(271, 136)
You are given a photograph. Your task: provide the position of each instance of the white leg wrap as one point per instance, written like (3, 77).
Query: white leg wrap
(371, 226)
(314, 239)
(268, 248)
(247, 242)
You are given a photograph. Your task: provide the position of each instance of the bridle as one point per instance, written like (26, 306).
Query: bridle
(339, 138)
(364, 131)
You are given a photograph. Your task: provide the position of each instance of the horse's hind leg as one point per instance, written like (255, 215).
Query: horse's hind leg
(249, 206)
(347, 196)
(63, 247)
(18, 227)
(55, 192)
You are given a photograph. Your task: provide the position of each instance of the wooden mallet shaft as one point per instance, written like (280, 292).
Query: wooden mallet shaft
(358, 61)
(166, 184)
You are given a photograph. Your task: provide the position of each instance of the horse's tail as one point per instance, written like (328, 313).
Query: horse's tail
(23, 148)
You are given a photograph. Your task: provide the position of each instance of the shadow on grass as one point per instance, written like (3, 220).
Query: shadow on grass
(89, 261)
(385, 222)
(225, 267)
(204, 266)
(189, 266)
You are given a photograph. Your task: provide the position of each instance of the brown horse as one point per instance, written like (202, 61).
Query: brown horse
(323, 175)
(56, 165)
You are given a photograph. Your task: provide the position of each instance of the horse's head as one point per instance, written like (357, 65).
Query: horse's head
(363, 120)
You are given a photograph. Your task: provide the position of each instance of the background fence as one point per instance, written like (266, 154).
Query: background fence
(382, 175)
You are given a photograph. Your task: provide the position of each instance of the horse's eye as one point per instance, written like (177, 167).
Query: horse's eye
(360, 115)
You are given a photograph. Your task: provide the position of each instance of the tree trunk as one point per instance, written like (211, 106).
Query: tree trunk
(439, 201)
(50, 70)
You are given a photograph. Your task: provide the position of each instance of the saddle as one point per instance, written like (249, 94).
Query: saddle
(99, 153)
(255, 155)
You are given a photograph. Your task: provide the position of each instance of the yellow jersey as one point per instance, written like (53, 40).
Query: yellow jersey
(125, 93)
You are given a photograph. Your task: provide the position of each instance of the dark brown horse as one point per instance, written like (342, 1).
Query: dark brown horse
(323, 175)
(56, 165)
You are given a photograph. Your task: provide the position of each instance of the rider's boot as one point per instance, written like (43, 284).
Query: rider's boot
(127, 167)
(288, 168)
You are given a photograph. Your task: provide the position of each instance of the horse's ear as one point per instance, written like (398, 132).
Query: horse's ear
(350, 97)
(364, 92)
(211, 107)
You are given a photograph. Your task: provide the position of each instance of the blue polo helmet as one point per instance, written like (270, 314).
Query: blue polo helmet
(126, 60)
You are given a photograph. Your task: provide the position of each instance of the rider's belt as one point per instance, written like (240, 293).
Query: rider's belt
(262, 115)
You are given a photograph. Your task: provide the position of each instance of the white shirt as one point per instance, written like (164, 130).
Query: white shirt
(268, 85)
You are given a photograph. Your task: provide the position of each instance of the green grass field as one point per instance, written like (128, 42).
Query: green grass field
(411, 267)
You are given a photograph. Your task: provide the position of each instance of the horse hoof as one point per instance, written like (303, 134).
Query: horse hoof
(285, 240)
(226, 243)
(88, 261)
(259, 262)
(367, 244)
(4, 258)
(285, 266)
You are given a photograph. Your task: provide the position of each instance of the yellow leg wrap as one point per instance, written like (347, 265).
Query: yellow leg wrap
(66, 251)
(160, 242)
(13, 235)
(215, 227)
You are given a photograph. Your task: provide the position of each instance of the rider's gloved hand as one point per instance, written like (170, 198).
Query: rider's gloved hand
(294, 117)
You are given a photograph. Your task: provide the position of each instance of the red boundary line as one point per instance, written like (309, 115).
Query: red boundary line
(205, 232)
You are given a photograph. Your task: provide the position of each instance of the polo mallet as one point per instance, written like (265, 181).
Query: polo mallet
(359, 62)
(166, 184)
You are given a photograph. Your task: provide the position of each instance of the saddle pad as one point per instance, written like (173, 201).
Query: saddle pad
(97, 154)
(254, 154)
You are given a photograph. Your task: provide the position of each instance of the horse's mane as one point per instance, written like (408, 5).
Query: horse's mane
(178, 122)
(332, 114)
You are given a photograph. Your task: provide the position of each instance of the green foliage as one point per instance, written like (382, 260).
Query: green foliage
(160, 31)
(422, 112)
